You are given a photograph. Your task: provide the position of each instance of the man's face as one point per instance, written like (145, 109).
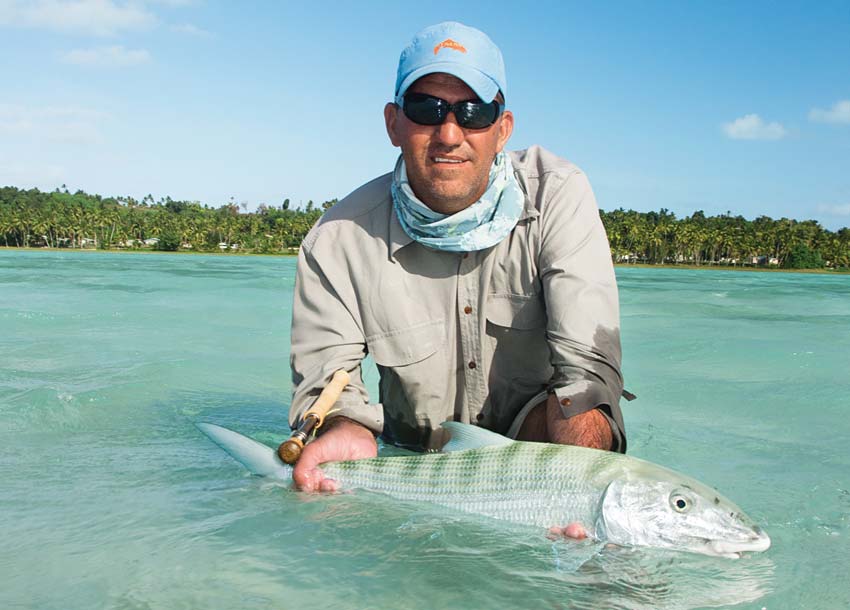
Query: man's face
(448, 166)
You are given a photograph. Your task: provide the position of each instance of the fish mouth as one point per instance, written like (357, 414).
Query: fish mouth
(735, 549)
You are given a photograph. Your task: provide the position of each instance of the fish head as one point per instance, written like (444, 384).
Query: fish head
(667, 510)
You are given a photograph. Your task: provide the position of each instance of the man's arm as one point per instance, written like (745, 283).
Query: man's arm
(583, 326)
(326, 336)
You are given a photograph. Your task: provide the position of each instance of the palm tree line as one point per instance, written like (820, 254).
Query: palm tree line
(659, 237)
(60, 219)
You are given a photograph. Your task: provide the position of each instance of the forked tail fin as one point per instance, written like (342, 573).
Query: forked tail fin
(258, 458)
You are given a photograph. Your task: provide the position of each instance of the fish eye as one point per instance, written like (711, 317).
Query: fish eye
(680, 503)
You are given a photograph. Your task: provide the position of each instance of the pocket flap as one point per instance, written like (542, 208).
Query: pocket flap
(523, 312)
(408, 345)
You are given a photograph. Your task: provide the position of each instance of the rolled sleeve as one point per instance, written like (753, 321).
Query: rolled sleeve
(326, 338)
(583, 326)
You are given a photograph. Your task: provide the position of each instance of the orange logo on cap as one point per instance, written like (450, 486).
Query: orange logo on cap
(448, 43)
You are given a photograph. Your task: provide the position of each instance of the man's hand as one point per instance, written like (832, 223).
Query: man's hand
(342, 439)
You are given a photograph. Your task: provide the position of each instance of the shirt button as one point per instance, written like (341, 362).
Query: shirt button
(479, 417)
(566, 402)
(467, 309)
(472, 364)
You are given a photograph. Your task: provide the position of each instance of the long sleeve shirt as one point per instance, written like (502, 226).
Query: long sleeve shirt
(469, 337)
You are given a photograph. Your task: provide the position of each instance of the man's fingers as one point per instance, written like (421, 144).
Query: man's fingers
(574, 531)
(307, 475)
(328, 485)
(308, 479)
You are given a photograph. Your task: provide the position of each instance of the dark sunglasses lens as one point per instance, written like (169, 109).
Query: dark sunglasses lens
(476, 115)
(424, 109)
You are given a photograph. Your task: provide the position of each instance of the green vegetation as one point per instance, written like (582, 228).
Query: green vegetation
(31, 218)
(659, 238)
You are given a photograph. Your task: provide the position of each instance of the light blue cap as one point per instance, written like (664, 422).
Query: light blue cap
(455, 49)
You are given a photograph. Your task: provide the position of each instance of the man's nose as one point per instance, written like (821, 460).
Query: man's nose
(449, 132)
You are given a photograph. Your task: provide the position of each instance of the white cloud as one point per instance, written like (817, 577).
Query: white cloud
(839, 113)
(835, 210)
(191, 30)
(97, 17)
(114, 56)
(752, 127)
(51, 124)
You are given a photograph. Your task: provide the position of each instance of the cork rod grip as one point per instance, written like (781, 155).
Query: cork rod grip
(290, 450)
(328, 397)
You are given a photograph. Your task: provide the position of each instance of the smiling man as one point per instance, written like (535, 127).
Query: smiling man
(479, 281)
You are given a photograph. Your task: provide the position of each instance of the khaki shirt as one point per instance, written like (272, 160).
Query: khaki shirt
(470, 337)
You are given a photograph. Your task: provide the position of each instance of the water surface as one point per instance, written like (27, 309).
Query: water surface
(112, 499)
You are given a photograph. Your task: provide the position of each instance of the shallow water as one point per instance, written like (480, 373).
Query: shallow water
(111, 498)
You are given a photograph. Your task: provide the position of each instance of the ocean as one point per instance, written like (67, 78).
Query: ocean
(111, 498)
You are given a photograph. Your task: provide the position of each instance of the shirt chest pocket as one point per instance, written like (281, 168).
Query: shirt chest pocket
(409, 345)
(516, 330)
(516, 311)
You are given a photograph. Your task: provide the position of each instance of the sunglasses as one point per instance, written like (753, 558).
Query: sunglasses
(426, 109)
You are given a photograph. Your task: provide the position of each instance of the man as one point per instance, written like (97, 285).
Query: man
(480, 282)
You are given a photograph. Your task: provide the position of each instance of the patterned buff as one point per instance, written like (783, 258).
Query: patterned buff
(483, 224)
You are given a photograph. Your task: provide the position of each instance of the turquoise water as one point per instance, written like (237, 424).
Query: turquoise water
(110, 498)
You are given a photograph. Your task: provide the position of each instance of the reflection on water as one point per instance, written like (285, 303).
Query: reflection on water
(645, 579)
(470, 562)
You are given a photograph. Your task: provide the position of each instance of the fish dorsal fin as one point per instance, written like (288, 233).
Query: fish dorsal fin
(465, 436)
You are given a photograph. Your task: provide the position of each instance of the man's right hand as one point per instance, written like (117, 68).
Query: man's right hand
(343, 439)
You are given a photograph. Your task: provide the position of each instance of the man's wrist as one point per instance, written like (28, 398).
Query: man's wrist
(338, 421)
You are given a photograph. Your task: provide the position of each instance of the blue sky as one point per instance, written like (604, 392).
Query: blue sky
(739, 106)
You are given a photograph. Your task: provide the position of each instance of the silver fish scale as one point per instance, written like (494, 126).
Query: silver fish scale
(529, 483)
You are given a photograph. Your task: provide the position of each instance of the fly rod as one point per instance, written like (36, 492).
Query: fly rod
(290, 450)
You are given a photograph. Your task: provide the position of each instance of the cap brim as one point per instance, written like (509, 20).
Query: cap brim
(483, 86)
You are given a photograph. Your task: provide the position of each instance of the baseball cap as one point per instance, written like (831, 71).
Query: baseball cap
(456, 49)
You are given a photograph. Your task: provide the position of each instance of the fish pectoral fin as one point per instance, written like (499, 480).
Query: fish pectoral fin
(465, 436)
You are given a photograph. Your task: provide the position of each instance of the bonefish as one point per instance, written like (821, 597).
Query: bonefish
(617, 498)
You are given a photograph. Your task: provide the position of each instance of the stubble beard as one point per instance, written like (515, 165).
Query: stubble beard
(449, 196)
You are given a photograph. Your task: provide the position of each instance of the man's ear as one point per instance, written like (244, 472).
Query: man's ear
(506, 128)
(391, 120)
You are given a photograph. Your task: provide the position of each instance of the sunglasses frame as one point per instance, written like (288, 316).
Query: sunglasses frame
(459, 109)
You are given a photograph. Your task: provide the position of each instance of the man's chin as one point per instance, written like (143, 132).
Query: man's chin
(448, 202)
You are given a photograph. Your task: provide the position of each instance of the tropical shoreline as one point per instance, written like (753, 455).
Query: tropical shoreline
(684, 267)
(747, 268)
(60, 219)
